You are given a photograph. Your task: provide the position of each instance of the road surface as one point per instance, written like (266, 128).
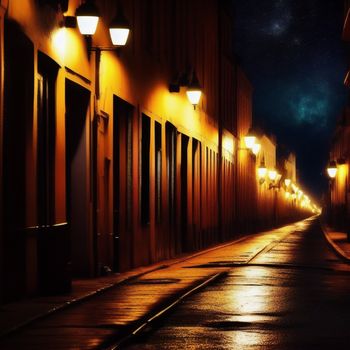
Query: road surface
(295, 294)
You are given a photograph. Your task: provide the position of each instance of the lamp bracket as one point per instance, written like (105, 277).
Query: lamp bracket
(273, 185)
(69, 22)
(261, 181)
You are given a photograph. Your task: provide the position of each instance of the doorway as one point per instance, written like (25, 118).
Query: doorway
(77, 183)
(122, 185)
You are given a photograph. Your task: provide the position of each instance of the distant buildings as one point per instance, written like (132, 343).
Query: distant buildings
(105, 165)
(338, 201)
(338, 205)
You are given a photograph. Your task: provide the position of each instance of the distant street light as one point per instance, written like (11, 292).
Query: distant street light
(256, 148)
(287, 182)
(332, 169)
(272, 175)
(262, 171)
(249, 139)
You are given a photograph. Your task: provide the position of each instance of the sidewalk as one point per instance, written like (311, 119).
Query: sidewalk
(14, 316)
(117, 306)
(123, 303)
(338, 240)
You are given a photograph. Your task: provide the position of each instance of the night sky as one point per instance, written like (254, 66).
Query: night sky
(292, 52)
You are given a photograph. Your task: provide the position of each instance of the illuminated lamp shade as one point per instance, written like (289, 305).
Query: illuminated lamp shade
(119, 29)
(256, 148)
(287, 182)
(272, 175)
(87, 18)
(262, 171)
(249, 139)
(332, 169)
(194, 91)
(194, 96)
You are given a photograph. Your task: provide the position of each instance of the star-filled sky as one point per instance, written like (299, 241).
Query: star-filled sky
(292, 52)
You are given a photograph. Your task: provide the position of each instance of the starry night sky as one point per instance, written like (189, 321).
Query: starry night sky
(292, 52)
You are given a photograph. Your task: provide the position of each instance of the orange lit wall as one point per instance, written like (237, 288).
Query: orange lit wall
(166, 38)
(245, 166)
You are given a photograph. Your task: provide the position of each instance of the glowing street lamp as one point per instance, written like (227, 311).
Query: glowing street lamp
(119, 29)
(87, 18)
(295, 188)
(262, 171)
(249, 139)
(272, 175)
(287, 182)
(256, 148)
(194, 91)
(332, 169)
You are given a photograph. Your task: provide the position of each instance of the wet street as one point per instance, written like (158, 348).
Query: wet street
(295, 294)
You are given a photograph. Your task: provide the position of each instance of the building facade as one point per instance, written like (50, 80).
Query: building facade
(103, 166)
(337, 201)
(338, 205)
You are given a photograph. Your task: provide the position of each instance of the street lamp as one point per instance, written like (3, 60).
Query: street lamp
(194, 90)
(119, 28)
(274, 178)
(249, 139)
(332, 172)
(332, 169)
(189, 80)
(87, 18)
(272, 175)
(287, 182)
(256, 148)
(262, 171)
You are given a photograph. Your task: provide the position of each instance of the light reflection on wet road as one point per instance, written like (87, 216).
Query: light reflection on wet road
(294, 295)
